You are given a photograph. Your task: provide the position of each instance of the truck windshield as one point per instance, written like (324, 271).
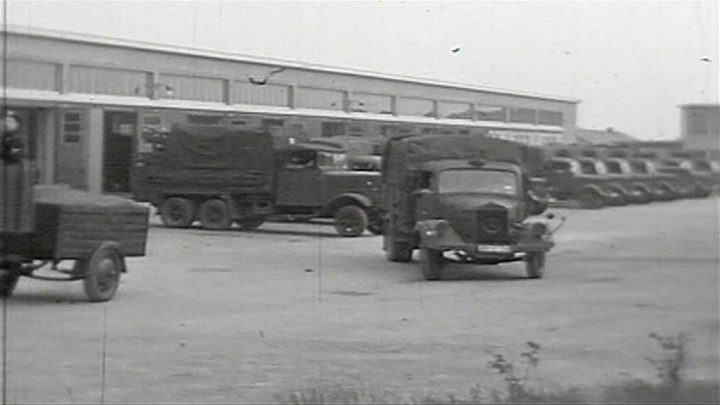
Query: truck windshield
(477, 181)
(332, 160)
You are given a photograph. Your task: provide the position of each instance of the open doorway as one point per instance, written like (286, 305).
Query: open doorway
(119, 135)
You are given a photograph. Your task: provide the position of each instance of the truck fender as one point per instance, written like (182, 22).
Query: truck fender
(435, 233)
(347, 199)
(591, 188)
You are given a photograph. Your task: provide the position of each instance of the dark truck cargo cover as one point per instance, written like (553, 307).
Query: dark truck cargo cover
(412, 151)
(217, 158)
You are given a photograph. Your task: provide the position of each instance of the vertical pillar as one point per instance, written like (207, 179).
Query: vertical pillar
(94, 150)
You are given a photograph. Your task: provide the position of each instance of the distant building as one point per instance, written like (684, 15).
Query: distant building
(85, 101)
(700, 127)
(599, 137)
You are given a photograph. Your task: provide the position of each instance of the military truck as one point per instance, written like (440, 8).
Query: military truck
(461, 198)
(696, 172)
(221, 175)
(570, 179)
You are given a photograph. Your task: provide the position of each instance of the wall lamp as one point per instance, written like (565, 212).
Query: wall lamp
(153, 88)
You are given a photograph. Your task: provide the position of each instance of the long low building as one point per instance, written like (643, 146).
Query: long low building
(84, 101)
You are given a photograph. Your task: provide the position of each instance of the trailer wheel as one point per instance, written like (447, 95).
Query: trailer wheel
(535, 264)
(102, 270)
(432, 263)
(350, 220)
(177, 212)
(8, 282)
(250, 223)
(397, 251)
(215, 214)
(590, 200)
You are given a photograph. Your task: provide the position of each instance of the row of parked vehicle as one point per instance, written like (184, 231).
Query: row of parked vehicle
(599, 177)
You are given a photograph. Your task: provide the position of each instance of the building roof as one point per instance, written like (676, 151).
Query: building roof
(607, 136)
(171, 49)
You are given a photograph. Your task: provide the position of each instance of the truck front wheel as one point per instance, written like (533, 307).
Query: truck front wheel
(177, 212)
(350, 220)
(432, 263)
(535, 264)
(250, 223)
(215, 214)
(590, 200)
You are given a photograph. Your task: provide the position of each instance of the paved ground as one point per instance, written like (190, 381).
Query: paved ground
(230, 317)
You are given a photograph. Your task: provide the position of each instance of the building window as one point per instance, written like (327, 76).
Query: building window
(204, 119)
(546, 117)
(371, 103)
(455, 111)
(319, 99)
(271, 122)
(333, 129)
(268, 94)
(417, 107)
(490, 113)
(195, 88)
(522, 115)
(97, 80)
(72, 126)
(23, 74)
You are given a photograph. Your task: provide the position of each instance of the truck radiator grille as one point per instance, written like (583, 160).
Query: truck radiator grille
(491, 225)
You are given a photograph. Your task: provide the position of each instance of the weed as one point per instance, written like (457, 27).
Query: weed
(669, 365)
(516, 378)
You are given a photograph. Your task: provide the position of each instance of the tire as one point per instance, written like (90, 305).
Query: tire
(350, 221)
(590, 200)
(8, 282)
(535, 264)
(431, 263)
(101, 270)
(177, 212)
(397, 251)
(215, 214)
(375, 226)
(250, 223)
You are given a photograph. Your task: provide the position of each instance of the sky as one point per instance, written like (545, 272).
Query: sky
(631, 63)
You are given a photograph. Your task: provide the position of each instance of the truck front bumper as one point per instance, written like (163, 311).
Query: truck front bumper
(439, 235)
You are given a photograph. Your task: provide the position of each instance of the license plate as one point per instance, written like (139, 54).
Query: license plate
(494, 249)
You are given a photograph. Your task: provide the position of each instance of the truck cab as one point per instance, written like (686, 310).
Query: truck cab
(455, 205)
(314, 179)
(571, 179)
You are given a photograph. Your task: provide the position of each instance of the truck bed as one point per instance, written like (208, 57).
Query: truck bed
(70, 223)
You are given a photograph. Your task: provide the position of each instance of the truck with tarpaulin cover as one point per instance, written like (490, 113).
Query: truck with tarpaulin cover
(223, 175)
(461, 198)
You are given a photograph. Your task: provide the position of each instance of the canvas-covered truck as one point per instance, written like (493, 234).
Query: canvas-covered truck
(221, 175)
(463, 199)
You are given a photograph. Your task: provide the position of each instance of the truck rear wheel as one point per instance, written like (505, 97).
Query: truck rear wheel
(8, 282)
(432, 263)
(177, 212)
(215, 214)
(535, 264)
(397, 251)
(350, 220)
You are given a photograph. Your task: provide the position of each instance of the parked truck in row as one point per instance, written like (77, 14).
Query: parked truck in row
(463, 199)
(222, 175)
